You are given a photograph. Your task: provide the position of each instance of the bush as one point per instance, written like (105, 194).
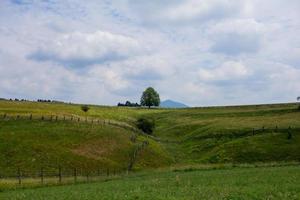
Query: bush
(146, 125)
(85, 108)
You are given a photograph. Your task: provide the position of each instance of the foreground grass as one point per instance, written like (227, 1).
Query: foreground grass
(235, 183)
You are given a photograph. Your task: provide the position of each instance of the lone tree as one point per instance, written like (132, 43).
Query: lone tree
(85, 108)
(150, 98)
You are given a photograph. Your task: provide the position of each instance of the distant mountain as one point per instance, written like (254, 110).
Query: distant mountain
(172, 104)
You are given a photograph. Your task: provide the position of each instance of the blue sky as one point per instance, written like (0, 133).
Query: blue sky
(213, 52)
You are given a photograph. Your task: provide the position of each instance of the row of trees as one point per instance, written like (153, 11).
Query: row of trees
(38, 100)
(149, 98)
(129, 104)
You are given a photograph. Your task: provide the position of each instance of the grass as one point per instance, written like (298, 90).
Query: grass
(186, 140)
(224, 134)
(187, 136)
(234, 183)
(14, 184)
(33, 144)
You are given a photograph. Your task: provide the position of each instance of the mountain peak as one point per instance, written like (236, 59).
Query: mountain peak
(172, 104)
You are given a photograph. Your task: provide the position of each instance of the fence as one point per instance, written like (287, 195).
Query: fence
(76, 119)
(70, 118)
(19, 177)
(60, 175)
(250, 132)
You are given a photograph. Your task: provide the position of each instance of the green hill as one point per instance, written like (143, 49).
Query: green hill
(231, 134)
(236, 134)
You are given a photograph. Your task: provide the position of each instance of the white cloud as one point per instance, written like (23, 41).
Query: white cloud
(80, 49)
(203, 10)
(176, 12)
(234, 37)
(229, 70)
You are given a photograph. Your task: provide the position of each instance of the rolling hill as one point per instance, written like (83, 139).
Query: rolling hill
(236, 134)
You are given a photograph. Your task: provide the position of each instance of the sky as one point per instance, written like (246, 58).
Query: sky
(201, 53)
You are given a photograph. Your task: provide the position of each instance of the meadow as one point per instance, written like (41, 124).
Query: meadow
(234, 183)
(106, 138)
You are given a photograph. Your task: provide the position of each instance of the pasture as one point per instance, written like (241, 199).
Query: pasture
(41, 143)
(234, 183)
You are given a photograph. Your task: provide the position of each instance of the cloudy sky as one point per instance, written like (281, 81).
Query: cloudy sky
(210, 52)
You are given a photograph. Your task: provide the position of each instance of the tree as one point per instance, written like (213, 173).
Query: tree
(85, 108)
(150, 98)
(146, 125)
(128, 103)
(298, 99)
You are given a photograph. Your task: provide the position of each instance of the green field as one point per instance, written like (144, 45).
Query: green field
(183, 138)
(236, 183)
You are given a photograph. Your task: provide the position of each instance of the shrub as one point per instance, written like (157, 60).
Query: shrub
(85, 108)
(146, 125)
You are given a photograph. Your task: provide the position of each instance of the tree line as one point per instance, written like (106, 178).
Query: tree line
(149, 98)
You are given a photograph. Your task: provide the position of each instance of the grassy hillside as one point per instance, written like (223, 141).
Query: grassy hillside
(183, 136)
(238, 183)
(34, 144)
(231, 134)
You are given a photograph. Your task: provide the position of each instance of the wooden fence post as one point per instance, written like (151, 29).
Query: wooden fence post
(59, 175)
(19, 176)
(42, 117)
(87, 176)
(42, 176)
(30, 117)
(289, 133)
(4, 115)
(75, 175)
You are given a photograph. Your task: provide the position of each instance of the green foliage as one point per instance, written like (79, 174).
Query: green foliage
(150, 98)
(147, 125)
(236, 183)
(85, 108)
